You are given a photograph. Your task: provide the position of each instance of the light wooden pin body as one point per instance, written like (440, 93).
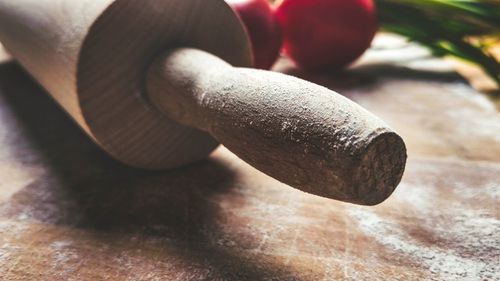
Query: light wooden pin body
(92, 56)
(100, 60)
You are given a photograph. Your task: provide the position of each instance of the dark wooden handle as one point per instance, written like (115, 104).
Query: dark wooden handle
(295, 131)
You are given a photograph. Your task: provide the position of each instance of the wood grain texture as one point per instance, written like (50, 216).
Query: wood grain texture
(300, 133)
(69, 212)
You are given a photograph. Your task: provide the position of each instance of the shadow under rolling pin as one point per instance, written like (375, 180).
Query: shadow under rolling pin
(153, 83)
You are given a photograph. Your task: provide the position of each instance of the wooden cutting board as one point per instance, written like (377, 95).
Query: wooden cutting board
(69, 212)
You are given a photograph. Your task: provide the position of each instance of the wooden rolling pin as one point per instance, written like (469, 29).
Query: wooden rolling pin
(159, 83)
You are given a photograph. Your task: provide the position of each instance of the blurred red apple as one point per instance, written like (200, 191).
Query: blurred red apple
(262, 28)
(327, 34)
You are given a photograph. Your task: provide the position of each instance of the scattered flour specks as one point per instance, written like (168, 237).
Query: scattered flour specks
(64, 256)
(414, 196)
(443, 264)
(4, 253)
(8, 250)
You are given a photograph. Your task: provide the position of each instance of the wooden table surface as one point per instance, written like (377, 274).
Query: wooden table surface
(69, 212)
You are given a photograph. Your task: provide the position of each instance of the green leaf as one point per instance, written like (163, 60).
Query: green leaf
(446, 26)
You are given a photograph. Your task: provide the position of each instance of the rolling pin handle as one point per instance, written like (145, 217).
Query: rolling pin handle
(297, 132)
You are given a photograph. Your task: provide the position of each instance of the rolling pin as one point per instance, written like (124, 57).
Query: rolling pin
(160, 83)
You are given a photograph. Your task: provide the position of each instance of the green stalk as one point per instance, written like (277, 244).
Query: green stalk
(447, 26)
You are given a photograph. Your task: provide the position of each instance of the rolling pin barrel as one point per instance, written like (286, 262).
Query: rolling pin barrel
(295, 131)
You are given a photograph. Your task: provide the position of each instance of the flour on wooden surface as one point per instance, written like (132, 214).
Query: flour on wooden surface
(8, 250)
(443, 264)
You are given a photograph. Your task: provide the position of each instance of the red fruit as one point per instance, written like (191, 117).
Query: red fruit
(262, 28)
(329, 34)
